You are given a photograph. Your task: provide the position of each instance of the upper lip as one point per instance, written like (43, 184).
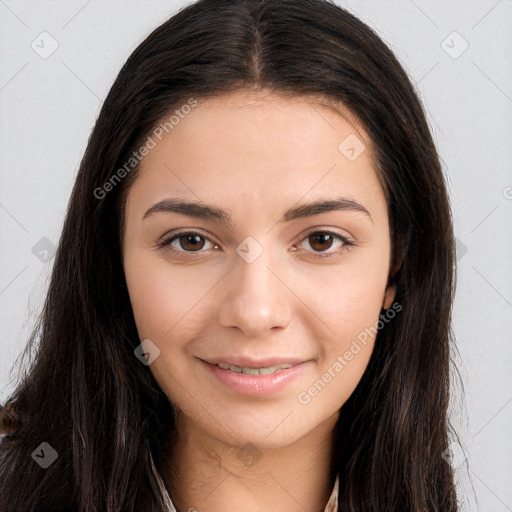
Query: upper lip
(248, 362)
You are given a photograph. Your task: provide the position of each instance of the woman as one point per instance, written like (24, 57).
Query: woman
(250, 304)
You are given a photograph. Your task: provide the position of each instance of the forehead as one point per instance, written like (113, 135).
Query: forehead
(261, 145)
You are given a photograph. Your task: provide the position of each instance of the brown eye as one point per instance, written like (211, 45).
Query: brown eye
(320, 241)
(191, 242)
(186, 242)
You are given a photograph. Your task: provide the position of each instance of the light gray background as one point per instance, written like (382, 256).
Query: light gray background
(48, 107)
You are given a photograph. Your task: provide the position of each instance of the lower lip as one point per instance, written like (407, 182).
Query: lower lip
(257, 385)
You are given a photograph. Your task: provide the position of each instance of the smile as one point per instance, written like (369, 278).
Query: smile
(253, 371)
(257, 381)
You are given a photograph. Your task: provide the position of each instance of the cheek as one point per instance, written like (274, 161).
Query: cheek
(348, 303)
(162, 300)
(347, 298)
(350, 307)
(166, 307)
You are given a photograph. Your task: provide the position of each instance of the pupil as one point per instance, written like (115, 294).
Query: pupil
(318, 239)
(196, 241)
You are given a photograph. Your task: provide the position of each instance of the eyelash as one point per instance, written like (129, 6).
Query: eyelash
(165, 243)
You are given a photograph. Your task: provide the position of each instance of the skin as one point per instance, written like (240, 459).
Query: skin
(256, 154)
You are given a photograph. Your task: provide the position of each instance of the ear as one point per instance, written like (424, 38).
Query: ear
(399, 254)
(389, 297)
(389, 294)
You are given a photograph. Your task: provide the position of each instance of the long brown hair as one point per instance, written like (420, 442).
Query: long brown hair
(90, 399)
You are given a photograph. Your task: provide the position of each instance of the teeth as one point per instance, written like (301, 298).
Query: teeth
(253, 371)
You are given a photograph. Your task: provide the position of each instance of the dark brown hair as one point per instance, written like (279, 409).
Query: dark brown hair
(94, 402)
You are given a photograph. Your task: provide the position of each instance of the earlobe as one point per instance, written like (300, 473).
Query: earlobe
(402, 243)
(389, 296)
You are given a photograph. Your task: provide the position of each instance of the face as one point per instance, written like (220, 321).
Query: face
(247, 275)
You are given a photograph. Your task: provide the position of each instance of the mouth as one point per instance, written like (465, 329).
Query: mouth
(257, 378)
(266, 370)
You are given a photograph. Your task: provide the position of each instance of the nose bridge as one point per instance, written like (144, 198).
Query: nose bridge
(256, 299)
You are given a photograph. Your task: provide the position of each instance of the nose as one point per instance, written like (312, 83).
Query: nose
(257, 300)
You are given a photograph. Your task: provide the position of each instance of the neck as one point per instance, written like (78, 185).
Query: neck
(204, 473)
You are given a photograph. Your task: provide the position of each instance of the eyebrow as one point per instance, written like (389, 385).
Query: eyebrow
(203, 211)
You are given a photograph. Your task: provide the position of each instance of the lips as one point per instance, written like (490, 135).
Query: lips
(264, 370)
(250, 363)
(257, 379)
